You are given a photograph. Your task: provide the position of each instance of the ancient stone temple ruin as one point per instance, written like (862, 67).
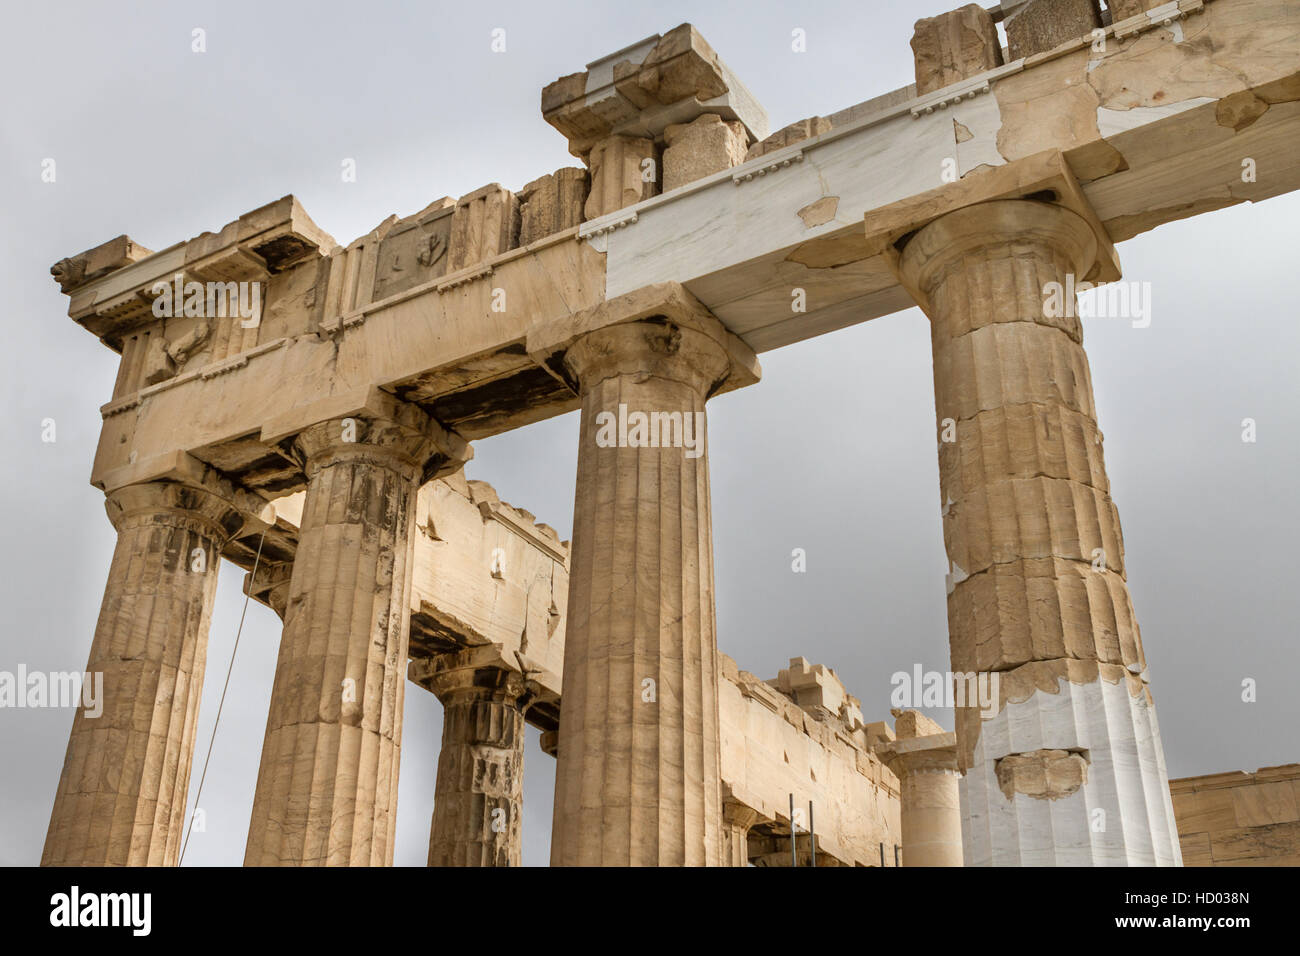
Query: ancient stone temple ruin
(304, 410)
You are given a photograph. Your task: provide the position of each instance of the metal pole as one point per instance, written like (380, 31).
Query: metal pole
(812, 834)
(882, 854)
(794, 860)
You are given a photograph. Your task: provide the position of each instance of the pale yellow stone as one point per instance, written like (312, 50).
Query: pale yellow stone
(623, 171)
(1036, 562)
(1035, 26)
(789, 135)
(924, 758)
(336, 706)
(953, 46)
(1123, 9)
(478, 800)
(640, 663)
(485, 224)
(1026, 499)
(1240, 819)
(552, 204)
(700, 148)
(121, 797)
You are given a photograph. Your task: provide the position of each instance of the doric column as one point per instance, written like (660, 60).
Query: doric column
(478, 800)
(736, 821)
(327, 784)
(1066, 767)
(637, 777)
(930, 804)
(121, 798)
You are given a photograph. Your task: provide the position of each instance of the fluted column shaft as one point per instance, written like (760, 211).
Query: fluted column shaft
(478, 800)
(121, 797)
(1070, 770)
(637, 777)
(929, 798)
(327, 784)
(931, 817)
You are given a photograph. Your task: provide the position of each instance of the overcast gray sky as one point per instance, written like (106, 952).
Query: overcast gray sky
(833, 452)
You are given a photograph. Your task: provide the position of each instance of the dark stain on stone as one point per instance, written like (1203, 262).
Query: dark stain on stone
(517, 392)
(283, 251)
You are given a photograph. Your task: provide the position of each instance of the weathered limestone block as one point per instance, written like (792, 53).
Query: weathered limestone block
(1043, 368)
(813, 686)
(414, 250)
(638, 779)
(121, 797)
(702, 147)
(924, 758)
(1022, 441)
(681, 65)
(644, 88)
(913, 723)
(354, 276)
(327, 784)
(623, 172)
(1254, 846)
(107, 257)
(552, 204)
(1240, 819)
(953, 46)
(110, 288)
(1030, 518)
(487, 574)
(789, 135)
(1123, 9)
(1046, 609)
(157, 364)
(1036, 26)
(485, 224)
(1036, 582)
(478, 799)
(778, 739)
(135, 355)
(1042, 774)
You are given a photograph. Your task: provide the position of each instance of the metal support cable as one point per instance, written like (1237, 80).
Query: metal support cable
(226, 686)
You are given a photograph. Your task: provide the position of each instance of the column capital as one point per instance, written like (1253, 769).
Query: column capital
(380, 428)
(1043, 178)
(650, 348)
(474, 673)
(180, 483)
(933, 753)
(943, 241)
(406, 441)
(658, 331)
(203, 510)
